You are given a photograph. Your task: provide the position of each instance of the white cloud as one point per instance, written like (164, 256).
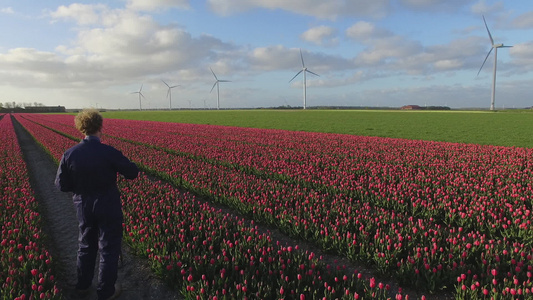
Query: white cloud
(7, 10)
(524, 20)
(318, 8)
(137, 46)
(82, 14)
(21, 65)
(448, 64)
(151, 5)
(282, 58)
(321, 35)
(271, 58)
(364, 30)
(435, 5)
(386, 51)
(27, 55)
(522, 55)
(482, 8)
(523, 51)
(457, 55)
(333, 9)
(383, 47)
(115, 45)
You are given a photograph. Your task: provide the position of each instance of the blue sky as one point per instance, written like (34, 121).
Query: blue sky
(367, 53)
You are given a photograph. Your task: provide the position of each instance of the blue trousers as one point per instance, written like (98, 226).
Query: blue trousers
(100, 229)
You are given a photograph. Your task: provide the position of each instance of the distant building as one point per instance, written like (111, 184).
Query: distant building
(44, 109)
(411, 107)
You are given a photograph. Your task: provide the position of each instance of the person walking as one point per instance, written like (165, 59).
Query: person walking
(89, 170)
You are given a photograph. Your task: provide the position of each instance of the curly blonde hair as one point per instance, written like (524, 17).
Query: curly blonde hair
(89, 121)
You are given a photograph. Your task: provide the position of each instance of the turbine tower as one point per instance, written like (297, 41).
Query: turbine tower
(140, 95)
(495, 47)
(169, 93)
(304, 70)
(217, 84)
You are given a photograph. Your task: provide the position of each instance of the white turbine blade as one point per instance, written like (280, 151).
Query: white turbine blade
(216, 82)
(506, 47)
(488, 31)
(165, 83)
(213, 74)
(296, 75)
(174, 86)
(224, 81)
(142, 95)
(302, 57)
(312, 73)
(486, 57)
(141, 88)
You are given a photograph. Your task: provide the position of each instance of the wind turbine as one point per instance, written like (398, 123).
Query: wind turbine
(217, 84)
(304, 70)
(285, 102)
(206, 106)
(140, 94)
(169, 93)
(495, 47)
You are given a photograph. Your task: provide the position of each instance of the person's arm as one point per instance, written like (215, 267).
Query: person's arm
(63, 180)
(124, 166)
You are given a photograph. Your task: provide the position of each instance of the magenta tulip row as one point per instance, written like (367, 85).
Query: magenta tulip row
(25, 265)
(213, 254)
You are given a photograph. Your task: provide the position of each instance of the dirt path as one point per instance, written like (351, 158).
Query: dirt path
(61, 225)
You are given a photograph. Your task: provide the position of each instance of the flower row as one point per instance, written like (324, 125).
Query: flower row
(25, 265)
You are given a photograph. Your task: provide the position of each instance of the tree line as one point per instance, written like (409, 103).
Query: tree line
(14, 104)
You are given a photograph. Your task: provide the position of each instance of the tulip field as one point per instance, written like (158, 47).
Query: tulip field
(25, 264)
(437, 217)
(208, 254)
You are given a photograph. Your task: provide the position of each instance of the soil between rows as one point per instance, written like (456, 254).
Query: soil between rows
(138, 281)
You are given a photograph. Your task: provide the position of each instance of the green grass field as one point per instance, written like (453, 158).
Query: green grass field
(502, 128)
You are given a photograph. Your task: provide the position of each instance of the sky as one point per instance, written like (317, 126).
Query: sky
(384, 53)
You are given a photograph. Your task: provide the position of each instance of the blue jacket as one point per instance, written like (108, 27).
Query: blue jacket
(90, 169)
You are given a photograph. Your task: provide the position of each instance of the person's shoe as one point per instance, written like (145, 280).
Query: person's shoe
(118, 290)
